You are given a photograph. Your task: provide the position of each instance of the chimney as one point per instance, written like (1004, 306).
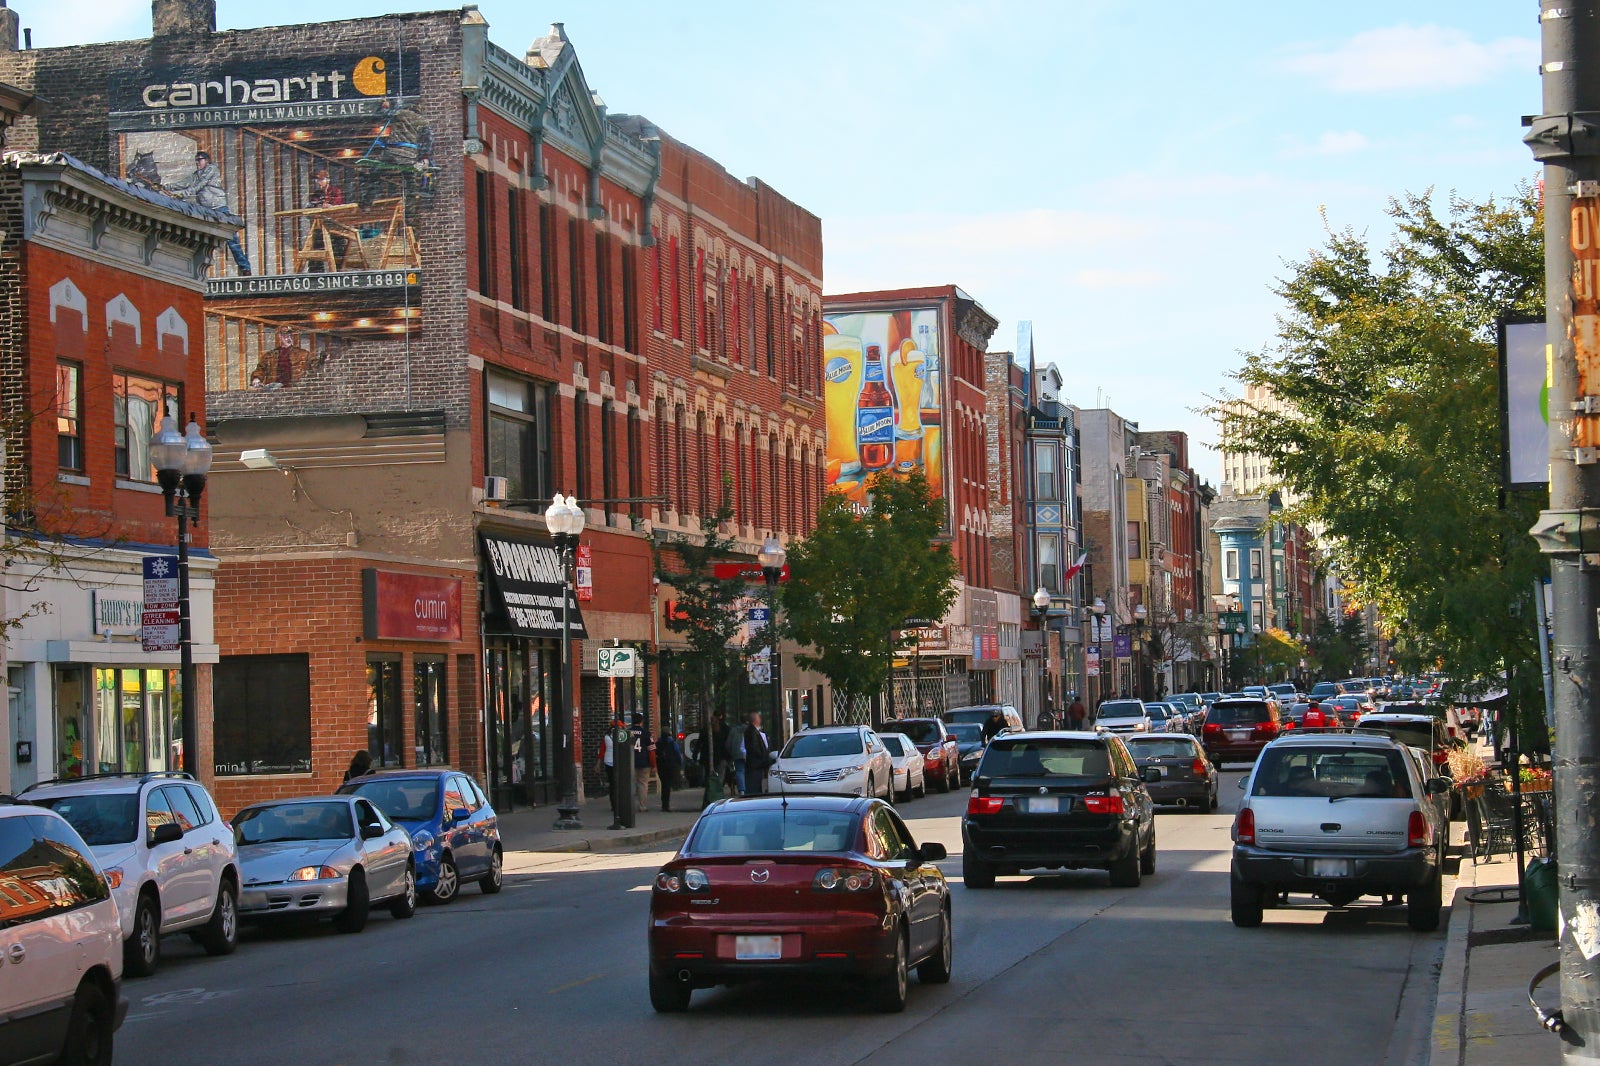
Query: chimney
(9, 22)
(179, 18)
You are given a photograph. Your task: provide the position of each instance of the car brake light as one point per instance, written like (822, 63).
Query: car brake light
(1268, 727)
(1103, 804)
(1198, 767)
(1244, 826)
(843, 879)
(1213, 727)
(1417, 831)
(984, 804)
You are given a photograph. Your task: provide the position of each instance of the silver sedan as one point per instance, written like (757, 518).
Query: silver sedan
(329, 856)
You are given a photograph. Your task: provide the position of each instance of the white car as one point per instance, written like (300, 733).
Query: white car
(166, 852)
(909, 779)
(60, 942)
(1124, 716)
(846, 759)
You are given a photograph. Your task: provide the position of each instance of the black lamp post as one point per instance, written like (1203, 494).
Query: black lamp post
(182, 461)
(772, 557)
(1140, 653)
(1098, 610)
(564, 518)
(1041, 611)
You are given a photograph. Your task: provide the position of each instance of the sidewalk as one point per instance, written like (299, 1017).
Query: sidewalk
(1482, 1017)
(530, 828)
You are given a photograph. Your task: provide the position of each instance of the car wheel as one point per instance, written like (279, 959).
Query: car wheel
(1211, 803)
(1126, 873)
(90, 1029)
(1246, 901)
(405, 904)
(221, 934)
(449, 883)
(890, 991)
(1147, 857)
(491, 882)
(1424, 904)
(935, 970)
(357, 904)
(667, 995)
(142, 951)
(975, 873)
(943, 783)
(922, 789)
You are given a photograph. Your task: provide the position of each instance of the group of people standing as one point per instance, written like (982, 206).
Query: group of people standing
(741, 754)
(1076, 716)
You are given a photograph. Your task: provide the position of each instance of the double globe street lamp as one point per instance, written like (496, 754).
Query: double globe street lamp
(182, 461)
(564, 519)
(772, 557)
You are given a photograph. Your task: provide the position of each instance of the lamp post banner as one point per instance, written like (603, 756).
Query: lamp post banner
(527, 585)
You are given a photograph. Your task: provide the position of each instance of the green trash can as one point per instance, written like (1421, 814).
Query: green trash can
(1543, 894)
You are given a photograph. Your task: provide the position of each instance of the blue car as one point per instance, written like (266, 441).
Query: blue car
(455, 836)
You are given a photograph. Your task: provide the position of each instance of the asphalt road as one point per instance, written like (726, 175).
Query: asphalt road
(1047, 969)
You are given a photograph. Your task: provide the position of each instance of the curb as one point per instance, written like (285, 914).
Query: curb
(614, 843)
(1450, 1002)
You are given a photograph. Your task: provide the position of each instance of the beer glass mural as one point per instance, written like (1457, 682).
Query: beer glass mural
(329, 161)
(882, 386)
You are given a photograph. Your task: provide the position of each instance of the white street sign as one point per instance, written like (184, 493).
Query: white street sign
(617, 662)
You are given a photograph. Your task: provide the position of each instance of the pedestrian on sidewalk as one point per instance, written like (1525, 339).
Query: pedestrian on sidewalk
(757, 757)
(644, 757)
(607, 768)
(669, 764)
(1076, 713)
(736, 756)
(360, 764)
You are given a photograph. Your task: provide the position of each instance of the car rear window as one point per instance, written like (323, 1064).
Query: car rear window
(970, 714)
(920, 732)
(406, 800)
(1046, 758)
(1122, 709)
(739, 832)
(967, 732)
(1239, 712)
(822, 745)
(1331, 773)
(105, 818)
(895, 745)
(1418, 735)
(1160, 747)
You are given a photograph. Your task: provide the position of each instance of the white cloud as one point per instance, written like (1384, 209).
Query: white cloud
(1413, 57)
(1332, 142)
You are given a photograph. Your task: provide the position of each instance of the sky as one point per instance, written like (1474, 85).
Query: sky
(1131, 177)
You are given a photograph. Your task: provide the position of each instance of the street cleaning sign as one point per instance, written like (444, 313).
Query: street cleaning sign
(159, 624)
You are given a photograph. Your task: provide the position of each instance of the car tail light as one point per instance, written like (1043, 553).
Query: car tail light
(1212, 729)
(1417, 831)
(1267, 728)
(1198, 768)
(1103, 804)
(1244, 826)
(844, 879)
(682, 881)
(985, 804)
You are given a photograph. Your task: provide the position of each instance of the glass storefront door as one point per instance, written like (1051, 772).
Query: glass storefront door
(519, 690)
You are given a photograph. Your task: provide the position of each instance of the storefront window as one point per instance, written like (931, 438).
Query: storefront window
(431, 717)
(385, 734)
(262, 714)
(72, 723)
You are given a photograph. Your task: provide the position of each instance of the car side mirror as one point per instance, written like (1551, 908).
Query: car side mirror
(931, 852)
(1438, 786)
(165, 833)
(1150, 775)
(371, 831)
(1240, 782)
(460, 814)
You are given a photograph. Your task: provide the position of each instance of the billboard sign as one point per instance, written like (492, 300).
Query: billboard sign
(1525, 403)
(883, 386)
(400, 606)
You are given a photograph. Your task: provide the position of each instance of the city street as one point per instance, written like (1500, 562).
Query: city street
(1046, 969)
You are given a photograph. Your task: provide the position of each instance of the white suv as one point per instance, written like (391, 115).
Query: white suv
(166, 852)
(60, 940)
(846, 759)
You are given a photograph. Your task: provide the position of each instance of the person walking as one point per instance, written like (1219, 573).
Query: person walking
(607, 769)
(644, 751)
(669, 764)
(993, 725)
(757, 757)
(1077, 713)
(735, 751)
(360, 764)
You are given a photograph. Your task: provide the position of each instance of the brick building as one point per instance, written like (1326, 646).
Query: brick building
(409, 356)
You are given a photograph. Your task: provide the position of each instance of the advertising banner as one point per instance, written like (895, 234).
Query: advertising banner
(1122, 646)
(528, 590)
(1524, 398)
(330, 162)
(883, 393)
(399, 606)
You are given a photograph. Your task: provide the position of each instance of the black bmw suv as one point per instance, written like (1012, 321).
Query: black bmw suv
(1061, 800)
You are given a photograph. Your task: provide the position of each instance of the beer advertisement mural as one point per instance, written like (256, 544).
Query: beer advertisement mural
(329, 161)
(883, 385)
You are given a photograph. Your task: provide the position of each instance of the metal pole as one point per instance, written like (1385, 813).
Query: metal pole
(186, 681)
(566, 767)
(777, 658)
(1514, 712)
(1566, 138)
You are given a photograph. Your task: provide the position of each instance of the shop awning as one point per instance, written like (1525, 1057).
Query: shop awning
(526, 588)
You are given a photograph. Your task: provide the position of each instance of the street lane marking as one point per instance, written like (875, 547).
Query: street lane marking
(574, 984)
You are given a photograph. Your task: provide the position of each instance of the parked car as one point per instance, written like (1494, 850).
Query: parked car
(1208, 698)
(1059, 800)
(1260, 692)
(1238, 728)
(1186, 778)
(980, 713)
(969, 745)
(846, 759)
(1326, 690)
(909, 779)
(1339, 816)
(166, 852)
(1350, 708)
(60, 942)
(455, 833)
(1124, 716)
(941, 753)
(1191, 701)
(786, 886)
(1165, 718)
(324, 857)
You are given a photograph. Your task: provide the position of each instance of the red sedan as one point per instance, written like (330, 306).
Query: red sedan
(774, 886)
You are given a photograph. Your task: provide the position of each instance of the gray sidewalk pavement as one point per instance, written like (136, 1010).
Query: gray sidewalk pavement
(532, 828)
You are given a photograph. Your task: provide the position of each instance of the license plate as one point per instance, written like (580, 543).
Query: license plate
(1238, 734)
(1330, 867)
(1161, 771)
(758, 948)
(1044, 805)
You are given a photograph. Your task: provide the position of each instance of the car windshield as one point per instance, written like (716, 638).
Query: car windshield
(823, 745)
(1161, 748)
(967, 732)
(1332, 773)
(100, 819)
(920, 732)
(739, 832)
(1416, 734)
(1238, 712)
(294, 821)
(970, 714)
(1122, 709)
(895, 745)
(1046, 758)
(413, 799)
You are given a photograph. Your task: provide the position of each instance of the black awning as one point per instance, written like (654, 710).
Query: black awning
(527, 586)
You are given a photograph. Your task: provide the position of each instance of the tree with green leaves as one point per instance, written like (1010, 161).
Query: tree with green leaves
(1386, 370)
(861, 575)
(1340, 650)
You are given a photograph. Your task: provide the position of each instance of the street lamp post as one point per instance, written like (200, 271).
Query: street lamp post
(1041, 609)
(1098, 609)
(182, 461)
(772, 558)
(564, 518)
(1140, 652)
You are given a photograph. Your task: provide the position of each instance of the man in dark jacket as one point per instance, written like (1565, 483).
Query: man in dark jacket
(669, 764)
(757, 757)
(993, 725)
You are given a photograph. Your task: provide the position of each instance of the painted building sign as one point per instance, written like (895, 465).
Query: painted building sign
(330, 162)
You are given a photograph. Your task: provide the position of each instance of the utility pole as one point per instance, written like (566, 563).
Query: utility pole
(1566, 139)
